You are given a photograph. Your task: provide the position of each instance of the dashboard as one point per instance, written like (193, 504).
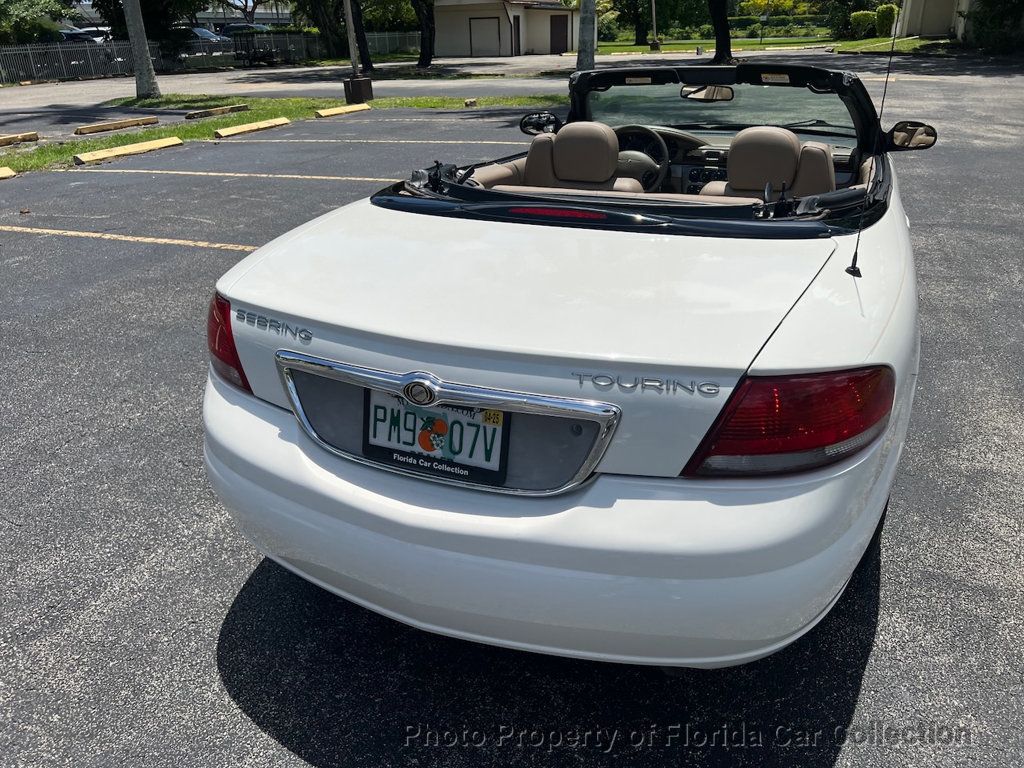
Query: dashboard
(692, 164)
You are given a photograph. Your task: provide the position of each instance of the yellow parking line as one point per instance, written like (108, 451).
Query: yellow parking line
(366, 141)
(235, 174)
(128, 238)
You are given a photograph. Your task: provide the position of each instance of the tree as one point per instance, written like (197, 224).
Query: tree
(588, 34)
(719, 10)
(329, 17)
(145, 77)
(246, 7)
(428, 30)
(25, 21)
(158, 16)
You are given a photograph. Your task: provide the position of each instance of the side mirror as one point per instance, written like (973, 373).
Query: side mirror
(539, 122)
(909, 134)
(707, 93)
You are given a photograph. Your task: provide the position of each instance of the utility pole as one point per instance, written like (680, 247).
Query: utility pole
(358, 88)
(655, 44)
(145, 78)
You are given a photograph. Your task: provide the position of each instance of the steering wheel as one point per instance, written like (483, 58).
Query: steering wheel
(640, 165)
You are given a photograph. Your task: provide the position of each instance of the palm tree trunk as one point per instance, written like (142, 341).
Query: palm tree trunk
(588, 35)
(145, 77)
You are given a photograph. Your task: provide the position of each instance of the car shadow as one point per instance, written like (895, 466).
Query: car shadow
(338, 685)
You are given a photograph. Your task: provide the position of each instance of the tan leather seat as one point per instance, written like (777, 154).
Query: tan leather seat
(581, 155)
(765, 155)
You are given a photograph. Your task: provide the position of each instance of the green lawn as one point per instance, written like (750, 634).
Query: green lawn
(29, 157)
(903, 45)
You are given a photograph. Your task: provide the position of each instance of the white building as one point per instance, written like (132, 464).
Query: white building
(933, 18)
(504, 27)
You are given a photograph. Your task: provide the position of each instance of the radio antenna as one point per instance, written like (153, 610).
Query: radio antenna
(853, 270)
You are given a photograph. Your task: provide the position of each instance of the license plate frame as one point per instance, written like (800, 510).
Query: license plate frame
(421, 463)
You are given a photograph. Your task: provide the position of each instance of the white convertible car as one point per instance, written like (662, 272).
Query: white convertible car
(636, 395)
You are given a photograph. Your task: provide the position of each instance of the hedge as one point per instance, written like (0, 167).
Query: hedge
(742, 22)
(885, 17)
(863, 23)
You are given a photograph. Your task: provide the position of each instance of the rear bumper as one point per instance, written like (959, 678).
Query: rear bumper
(626, 569)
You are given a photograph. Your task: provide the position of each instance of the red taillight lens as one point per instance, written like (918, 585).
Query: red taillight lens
(223, 354)
(774, 424)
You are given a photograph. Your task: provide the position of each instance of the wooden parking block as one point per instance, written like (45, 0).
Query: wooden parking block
(262, 125)
(7, 173)
(346, 110)
(217, 111)
(127, 149)
(115, 125)
(18, 138)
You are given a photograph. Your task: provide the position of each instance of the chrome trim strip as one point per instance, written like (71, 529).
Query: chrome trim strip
(605, 414)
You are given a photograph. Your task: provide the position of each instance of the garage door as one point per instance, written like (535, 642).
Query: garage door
(484, 37)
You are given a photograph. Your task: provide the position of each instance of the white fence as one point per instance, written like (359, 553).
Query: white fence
(393, 42)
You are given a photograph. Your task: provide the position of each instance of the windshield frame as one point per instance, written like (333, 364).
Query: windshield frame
(845, 85)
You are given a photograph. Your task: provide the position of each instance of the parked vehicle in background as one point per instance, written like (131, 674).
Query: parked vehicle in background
(74, 35)
(98, 34)
(202, 33)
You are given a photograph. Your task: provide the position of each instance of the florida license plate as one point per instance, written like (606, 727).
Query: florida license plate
(455, 442)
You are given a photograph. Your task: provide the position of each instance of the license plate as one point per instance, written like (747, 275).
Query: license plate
(455, 442)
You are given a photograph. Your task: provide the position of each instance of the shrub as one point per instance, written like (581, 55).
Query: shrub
(608, 27)
(997, 26)
(753, 31)
(885, 17)
(863, 23)
(706, 32)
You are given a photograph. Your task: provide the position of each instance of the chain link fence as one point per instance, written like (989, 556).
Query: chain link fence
(80, 60)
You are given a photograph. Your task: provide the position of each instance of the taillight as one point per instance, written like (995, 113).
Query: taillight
(221, 343)
(775, 424)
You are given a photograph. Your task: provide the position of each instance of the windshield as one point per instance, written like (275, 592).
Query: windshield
(205, 33)
(801, 110)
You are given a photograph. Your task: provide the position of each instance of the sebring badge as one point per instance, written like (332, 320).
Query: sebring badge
(605, 382)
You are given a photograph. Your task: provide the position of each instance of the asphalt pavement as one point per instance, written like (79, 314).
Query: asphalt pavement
(139, 628)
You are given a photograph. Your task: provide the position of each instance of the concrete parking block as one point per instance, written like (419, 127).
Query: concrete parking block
(262, 125)
(115, 125)
(18, 138)
(127, 149)
(347, 110)
(7, 173)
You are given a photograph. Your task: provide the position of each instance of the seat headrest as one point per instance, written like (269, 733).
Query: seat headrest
(761, 155)
(585, 152)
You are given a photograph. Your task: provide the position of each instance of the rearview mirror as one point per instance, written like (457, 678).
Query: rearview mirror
(539, 122)
(909, 134)
(707, 92)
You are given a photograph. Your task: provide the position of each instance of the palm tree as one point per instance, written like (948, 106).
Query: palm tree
(588, 36)
(145, 78)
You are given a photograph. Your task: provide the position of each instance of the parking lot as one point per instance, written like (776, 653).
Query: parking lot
(140, 629)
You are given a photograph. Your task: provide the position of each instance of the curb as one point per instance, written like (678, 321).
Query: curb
(18, 138)
(347, 110)
(115, 125)
(235, 130)
(7, 173)
(127, 149)
(216, 111)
